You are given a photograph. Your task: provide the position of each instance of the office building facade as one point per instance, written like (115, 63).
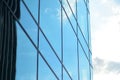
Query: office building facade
(53, 40)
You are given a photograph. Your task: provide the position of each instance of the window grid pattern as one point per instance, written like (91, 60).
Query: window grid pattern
(79, 43)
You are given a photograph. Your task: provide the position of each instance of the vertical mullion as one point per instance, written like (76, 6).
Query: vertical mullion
(88, 38)
(37, 72)
(61, 41)
(77, 43)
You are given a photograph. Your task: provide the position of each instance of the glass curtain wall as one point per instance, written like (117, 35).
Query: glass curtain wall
(55, 43)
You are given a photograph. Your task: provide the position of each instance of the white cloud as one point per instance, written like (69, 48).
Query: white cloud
(106, 70)
(103, 66)
(106, 41)
(84, 74)
(72, 4)
(98, 65)
(66, 7)
(47, 10)
(104, 76)
(105, 32)
(113, 67)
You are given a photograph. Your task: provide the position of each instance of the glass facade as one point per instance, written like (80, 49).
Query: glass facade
(55, 43)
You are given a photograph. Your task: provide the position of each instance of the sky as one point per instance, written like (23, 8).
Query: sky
(105, 38)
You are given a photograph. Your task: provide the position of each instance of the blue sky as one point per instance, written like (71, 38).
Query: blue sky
(105, 32)
(50, 23)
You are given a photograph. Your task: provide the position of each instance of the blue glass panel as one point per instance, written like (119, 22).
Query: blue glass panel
(50, 23)
(82, 18)
(26, 58)
(70, 50)
(84, 65)
(33, 7)
(49, 55)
